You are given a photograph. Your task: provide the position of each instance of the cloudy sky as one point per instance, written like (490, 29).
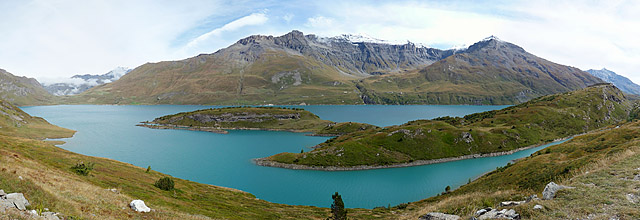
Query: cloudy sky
(49, 39)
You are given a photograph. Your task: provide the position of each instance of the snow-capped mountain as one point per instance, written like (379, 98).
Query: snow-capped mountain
(79, 83)
(623, 83)
(365, 38)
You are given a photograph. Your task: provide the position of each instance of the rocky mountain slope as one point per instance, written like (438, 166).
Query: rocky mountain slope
(491, 71)
(83, 82)
(481, 134)
(292, 68)
(296, 68)
(22, 90)
(619, 81)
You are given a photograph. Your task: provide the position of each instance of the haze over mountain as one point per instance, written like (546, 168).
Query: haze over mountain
(619, 81)
(296, 68)
(80, 83)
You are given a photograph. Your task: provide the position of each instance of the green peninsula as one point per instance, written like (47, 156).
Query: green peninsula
(243, 118)
(490, 133)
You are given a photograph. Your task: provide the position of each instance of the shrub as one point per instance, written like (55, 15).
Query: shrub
(401, 206)
(165, 183)
(83, 169)
(148, 169)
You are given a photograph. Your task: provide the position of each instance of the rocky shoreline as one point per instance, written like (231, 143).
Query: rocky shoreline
(269, 163)
(218, 130)
(161, 126)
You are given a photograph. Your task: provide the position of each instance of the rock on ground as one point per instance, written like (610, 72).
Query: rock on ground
(50, 216)
(139, 206)
(438, 216)
(18, 200)
(501, 214)
(538, 207)
(551, 189)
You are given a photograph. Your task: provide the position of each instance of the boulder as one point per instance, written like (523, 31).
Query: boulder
(50, 216)
(18, 200)
(482, 211)
(511, 203)
(551, 189)
(2, 194)
(438, 216)
(139, 206)
(538, 207)
(6, 204)
(502, 214)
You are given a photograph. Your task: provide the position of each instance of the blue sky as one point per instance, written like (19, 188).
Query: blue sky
(52, 39)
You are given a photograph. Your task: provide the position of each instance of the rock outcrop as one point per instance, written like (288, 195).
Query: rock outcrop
(499, 214)
(551, 189)
(19, 202)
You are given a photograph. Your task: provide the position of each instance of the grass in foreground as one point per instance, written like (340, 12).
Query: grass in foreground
(600, 165)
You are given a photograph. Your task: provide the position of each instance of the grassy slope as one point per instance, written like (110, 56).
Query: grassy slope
(307, 121)
(601, 165)
(47, 181)
(535, 122)
(16, 123)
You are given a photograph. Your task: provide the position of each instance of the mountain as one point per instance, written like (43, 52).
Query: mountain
(490, 133)
(22, 90)
(295, 68)
(81, 83)
(621, 82)
(491, 71)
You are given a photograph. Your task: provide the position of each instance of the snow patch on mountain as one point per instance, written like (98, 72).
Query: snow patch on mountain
(80, 83)
(623, 83)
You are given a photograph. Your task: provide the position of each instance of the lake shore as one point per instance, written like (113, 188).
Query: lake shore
(268, 163)
(221, 130)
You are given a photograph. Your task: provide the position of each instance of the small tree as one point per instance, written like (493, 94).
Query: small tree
(148, 169)
(337, 208)
(447, 189)
(165, 183)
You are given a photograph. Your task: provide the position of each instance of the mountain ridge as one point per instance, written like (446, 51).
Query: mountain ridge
(624, 83)
(295, 68)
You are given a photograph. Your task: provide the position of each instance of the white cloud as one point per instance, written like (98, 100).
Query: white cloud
(288, 17)
(319, 22)
(63, 38)
(250, 20)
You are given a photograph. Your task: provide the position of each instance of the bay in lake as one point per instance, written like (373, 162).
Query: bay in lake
(225, 159)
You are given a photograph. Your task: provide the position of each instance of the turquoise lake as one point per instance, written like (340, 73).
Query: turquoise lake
(225, 159)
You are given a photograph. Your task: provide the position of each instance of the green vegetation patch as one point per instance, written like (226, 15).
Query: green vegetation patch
(538, 121)
(263, 118)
